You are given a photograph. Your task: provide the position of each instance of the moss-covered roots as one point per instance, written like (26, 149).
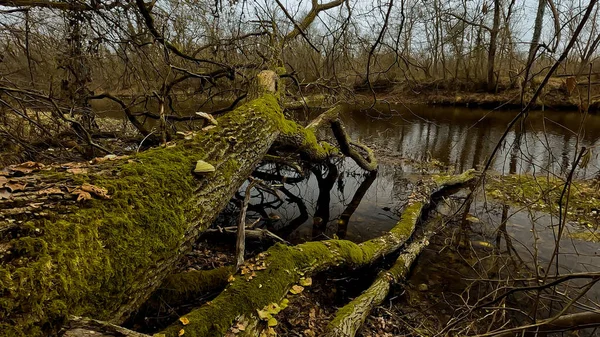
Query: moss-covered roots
(304, 139)
(286, 265)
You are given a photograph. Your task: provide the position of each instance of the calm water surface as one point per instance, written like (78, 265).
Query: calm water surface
(341, 200)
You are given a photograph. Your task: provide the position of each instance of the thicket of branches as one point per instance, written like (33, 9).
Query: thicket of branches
(61, 61)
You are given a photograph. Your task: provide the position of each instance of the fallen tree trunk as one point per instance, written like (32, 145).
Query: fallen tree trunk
(281, 267)
(103, 256)
(97, 240)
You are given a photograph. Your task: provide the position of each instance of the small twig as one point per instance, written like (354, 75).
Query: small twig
(240, 245)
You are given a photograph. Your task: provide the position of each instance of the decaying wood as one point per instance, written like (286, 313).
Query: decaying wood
(256, 234)
(85, 327)
(562, 323)
(240, 243)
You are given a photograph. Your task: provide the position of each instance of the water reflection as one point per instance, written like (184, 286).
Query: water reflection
(333, 199)
(464, 137)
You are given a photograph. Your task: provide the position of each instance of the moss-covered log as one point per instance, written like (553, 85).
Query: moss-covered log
(350, 318)
(281, 267)
(181, 287)
(305, 141)
(103, 256)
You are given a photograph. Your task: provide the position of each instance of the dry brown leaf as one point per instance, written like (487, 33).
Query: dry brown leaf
(13, 187)
(4, 193)
(296, 289)
(77, 170)
(184, 320)
(26, 167)
(98, 191)
(3, 181)
(82, 195)
(51, 190)
(111, 157)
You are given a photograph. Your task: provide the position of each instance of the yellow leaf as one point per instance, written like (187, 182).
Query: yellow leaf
(181, 332)
(306, 281)
(273, 308)
(263, 314)
(99, 191)
(272, 321)
(231, 279)
(184, 320)
(296, 289)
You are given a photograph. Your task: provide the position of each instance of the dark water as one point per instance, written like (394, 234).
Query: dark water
(340, 199)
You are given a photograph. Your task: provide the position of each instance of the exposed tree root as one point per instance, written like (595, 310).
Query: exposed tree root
(279, 268)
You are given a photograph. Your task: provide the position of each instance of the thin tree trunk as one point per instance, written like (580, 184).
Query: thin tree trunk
(491, 74)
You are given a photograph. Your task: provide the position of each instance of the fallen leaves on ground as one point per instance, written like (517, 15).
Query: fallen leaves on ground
(305, 281)
(184, 320)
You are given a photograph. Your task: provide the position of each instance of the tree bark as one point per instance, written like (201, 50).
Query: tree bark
(491, 74)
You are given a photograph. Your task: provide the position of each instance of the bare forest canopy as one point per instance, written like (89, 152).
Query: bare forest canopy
(62, 61)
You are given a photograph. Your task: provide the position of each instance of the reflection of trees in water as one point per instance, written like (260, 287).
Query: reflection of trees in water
(318, 203)
(465, 137)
